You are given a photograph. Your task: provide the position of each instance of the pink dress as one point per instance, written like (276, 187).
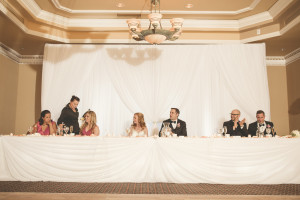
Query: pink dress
(39, 129)
(87, 133)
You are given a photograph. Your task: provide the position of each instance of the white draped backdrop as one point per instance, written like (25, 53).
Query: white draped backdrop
(204, 81)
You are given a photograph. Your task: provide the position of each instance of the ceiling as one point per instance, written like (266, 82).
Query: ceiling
(26, 25)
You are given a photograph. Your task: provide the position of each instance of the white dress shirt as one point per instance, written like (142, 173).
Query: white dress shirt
(264, 126)
(174, 124)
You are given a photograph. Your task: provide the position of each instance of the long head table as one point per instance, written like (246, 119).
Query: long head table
(177, 160)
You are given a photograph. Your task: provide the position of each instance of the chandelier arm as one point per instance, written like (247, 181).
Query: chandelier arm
(175, 34)
(141, 37)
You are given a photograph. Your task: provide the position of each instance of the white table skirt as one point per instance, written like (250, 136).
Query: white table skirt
(177, 160)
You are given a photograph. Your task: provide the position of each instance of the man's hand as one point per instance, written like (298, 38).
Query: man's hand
(236, 119)
(242, 122)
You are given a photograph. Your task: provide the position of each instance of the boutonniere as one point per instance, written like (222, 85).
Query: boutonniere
(178, 125)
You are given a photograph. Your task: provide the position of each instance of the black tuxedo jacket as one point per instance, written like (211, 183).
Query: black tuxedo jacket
(253, 128)
(180, 131)
(238, 131)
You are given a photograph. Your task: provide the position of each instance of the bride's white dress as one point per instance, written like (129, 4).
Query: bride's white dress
(137, 134)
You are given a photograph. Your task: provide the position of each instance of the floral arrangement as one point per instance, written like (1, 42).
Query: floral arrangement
(295, 133)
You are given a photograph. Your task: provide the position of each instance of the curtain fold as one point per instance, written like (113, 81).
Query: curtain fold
(204, 81)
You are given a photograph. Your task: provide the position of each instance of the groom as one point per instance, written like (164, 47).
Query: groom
(178, 126)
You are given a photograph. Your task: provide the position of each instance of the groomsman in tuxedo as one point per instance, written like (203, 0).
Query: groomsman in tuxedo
(234, 126)
(260, 116)
(178, 126)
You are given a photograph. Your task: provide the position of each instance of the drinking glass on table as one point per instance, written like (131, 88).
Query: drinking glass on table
(71, 129)
(225, 130)
(257, 132)
(58, 130)
(261, 131)
(66, 129)
(269, 130)
(30, 129)
(220, 132)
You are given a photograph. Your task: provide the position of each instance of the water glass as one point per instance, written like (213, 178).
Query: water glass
(66, 129)
(268, 130)
(225, 130)
(30, 129)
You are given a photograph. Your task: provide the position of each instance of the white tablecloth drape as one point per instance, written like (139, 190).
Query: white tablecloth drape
(178, 160)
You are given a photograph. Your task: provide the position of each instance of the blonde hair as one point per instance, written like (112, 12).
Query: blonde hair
(141, 120)
(93, 121)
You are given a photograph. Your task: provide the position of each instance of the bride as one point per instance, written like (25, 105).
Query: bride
(138, 127)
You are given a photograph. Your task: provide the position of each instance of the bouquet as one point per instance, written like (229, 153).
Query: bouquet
(295, 133)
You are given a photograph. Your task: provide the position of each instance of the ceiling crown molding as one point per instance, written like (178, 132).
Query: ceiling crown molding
(275, 61)
(67, 23)
(38, 59)
(292, 57)
(283, 61)
(279, 6)
(18, 58)
(57, 4)
(290, 25)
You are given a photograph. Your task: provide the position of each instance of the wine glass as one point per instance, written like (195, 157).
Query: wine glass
(261, 131)
(257, 133)
(30, 129)
(225, 130)
(128, 131)
(71, 129)
(58, 130)
(66, 129)
(268, 130)
(220, 132)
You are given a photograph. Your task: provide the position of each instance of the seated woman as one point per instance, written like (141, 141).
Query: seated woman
(89, 127)
(138, 127)
(45, 126)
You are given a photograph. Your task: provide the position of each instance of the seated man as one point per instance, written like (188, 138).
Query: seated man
(177, 126)
(260, 116)
(234, 126)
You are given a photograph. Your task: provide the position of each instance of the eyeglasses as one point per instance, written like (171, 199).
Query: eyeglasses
(234, 114)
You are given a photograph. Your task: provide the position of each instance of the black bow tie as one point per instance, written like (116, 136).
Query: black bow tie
(261, 125)
(173, 122)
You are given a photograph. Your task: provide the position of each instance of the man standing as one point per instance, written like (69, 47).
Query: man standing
(177, 126)
(234, 126)
(260, 116)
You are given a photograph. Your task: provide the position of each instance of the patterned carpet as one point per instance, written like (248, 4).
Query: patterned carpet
(149, 188)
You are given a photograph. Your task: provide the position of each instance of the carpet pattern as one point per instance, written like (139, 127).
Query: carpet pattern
(149, 188)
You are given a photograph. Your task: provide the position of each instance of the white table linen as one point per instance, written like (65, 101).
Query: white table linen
(177, 160)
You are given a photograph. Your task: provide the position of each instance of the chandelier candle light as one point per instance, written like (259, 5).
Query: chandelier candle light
(155, 34)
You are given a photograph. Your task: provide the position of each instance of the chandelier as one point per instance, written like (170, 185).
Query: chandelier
(155, 34)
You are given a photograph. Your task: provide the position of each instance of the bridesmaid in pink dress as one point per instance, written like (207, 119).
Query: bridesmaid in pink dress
(45, 126)
(89, 127)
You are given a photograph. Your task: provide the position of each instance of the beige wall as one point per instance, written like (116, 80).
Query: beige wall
(293, 83)
(20, 100)
(20, 91)
(9, 71)
(278, 98)
(29, 96)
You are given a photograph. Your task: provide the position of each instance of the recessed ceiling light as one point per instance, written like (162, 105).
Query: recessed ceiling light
(120, 5)
(189, 5)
